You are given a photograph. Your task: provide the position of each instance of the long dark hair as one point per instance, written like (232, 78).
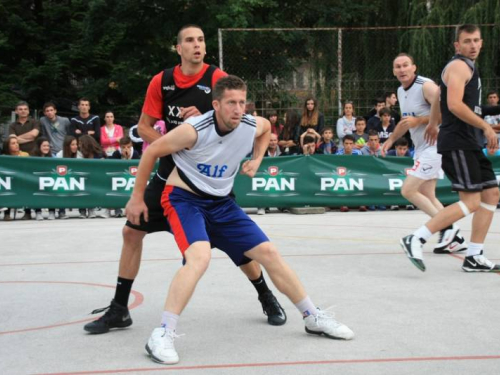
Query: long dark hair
(6, 144)
(37, 149)
(292, 120)
(89, 147)
(67, 147)
(310, 118)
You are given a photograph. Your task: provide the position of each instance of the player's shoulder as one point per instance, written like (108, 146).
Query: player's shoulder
(250, 120)
(202, 121)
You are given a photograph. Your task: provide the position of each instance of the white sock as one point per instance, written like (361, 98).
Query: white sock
(169, 320)
(474, 248)
(423, 232)
(306, 307)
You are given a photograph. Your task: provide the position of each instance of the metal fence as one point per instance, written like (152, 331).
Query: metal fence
(284, 66)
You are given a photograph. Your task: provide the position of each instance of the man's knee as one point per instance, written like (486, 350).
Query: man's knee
(132, 236)
(469, 203)
(198, 256)
(408, 191)
(268, 252)
(490, 196)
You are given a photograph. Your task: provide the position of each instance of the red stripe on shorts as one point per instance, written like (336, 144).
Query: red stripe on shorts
(172, 217)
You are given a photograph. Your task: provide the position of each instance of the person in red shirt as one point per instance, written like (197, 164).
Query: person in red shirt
(173, 96)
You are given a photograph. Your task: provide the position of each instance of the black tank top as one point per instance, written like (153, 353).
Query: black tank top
(199, 95)
(455, 134)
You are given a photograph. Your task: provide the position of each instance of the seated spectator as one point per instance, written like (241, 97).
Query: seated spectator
(311, 118)
(54, 127)
(288, 137)
(309, 145)
(360, 136)
(126, 150)
(372, 148)
(11, 148)
(326, 145)
(386, 126)
(349, 149)
(309, 133)
(70, 149)
(348, 146)
(346, 124)
(160, 128)
(378, 104)
(273, 150)
(42, 149)
(90, 149)
(276, 128)
(400, 148)
(25, 128)
(111, 134)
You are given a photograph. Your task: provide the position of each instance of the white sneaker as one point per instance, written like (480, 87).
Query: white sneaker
(412, 246)
(104, 214)
(52, 215)
(161, 346)
(39, 216)
(92, 214)
(446, 237)
(325, 324)
(261, 211)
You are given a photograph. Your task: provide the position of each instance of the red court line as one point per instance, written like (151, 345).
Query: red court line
(138, 299)
(278, 364)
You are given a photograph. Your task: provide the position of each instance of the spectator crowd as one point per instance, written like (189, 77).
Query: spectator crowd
(297, 133)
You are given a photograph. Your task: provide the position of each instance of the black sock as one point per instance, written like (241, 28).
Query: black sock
(123, 288)
(448, 227)
(260, 285)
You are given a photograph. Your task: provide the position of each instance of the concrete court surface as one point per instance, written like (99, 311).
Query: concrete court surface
(443, 321)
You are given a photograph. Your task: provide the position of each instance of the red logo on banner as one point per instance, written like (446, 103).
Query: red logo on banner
(341, 171)
(133, 170)
(62, 170)
(273, 171)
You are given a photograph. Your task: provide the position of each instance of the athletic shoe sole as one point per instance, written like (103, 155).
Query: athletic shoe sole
(157, 360)
(466, 269)
(417, 262)
(326, 335)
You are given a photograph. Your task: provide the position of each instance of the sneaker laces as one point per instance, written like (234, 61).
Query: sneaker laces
(481, 259)
(327, 317)
(97, 311)
(270, 305)
(169, 344)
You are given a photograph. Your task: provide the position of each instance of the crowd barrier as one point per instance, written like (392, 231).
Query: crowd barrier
(291, 181)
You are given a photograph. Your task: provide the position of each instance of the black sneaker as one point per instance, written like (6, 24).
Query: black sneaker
(479, 263)
(275, 314)
(446, 237)
(116, 316)
(412, 246)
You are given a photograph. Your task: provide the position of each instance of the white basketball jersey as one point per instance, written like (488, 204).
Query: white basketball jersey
(210, 166)
(413, 103)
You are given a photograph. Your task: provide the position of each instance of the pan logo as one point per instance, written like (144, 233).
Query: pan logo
(340, 181)
(274, 182)
(6, 178)
(122, 183)
(61, 181)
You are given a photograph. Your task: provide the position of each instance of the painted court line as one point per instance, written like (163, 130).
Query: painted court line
(280, 364)
(138, 299)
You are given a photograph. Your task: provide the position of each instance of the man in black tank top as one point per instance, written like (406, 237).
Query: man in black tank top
(459, 141)
(170, 96)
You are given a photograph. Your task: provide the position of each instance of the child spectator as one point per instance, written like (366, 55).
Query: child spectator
(400, 148)
(42, 150)
(111, 134)
(373, 146)
(287, 140)
(273, 151)
(70, 149)
(309, 145)
(276, 128)
(386, 125)
(346, 124)
(327, 146)
(126, 150)
(312, 118)
(373, 116)
(90, 149)
(360, 136)
(348, 146)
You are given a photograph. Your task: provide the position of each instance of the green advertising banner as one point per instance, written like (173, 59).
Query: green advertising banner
(291, 181)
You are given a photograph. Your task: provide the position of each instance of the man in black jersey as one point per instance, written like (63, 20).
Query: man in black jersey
(170, 96)
(459, 141)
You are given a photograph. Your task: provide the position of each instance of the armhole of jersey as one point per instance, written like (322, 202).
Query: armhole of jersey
(471, 68)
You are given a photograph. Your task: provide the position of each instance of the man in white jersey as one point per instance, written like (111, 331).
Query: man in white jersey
(415, 95)
(207, 151)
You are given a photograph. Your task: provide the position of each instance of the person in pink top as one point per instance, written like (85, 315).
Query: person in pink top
(160, 128)
(111, 134)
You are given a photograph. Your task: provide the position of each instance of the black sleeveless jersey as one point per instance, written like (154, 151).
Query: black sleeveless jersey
(455, 134)
(198, 95)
